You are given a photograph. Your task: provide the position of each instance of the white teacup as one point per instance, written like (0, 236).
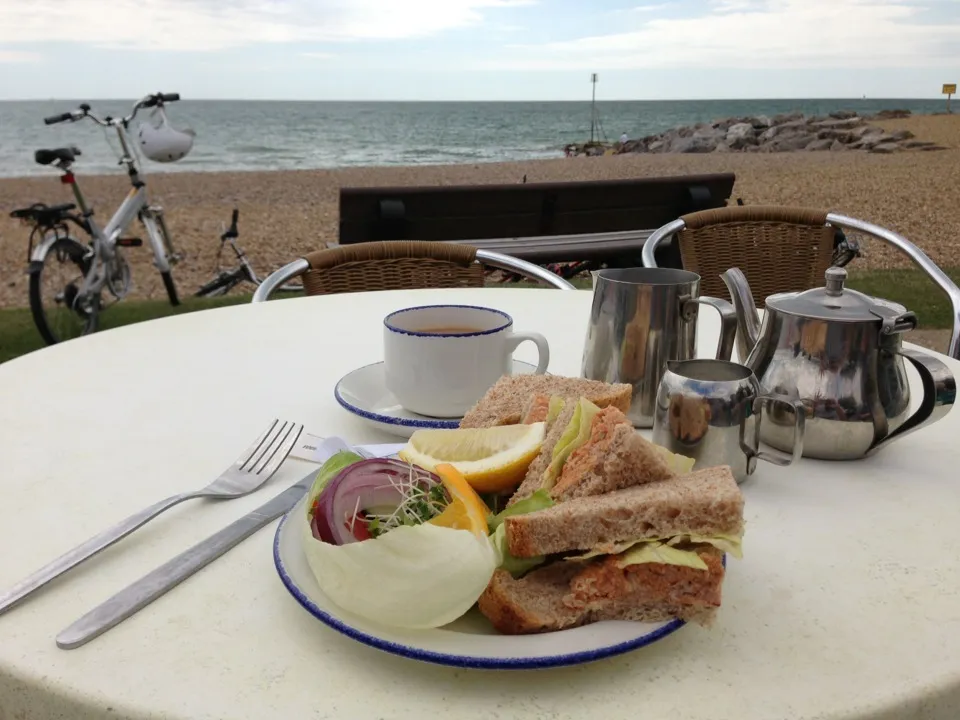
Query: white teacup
(439, 360)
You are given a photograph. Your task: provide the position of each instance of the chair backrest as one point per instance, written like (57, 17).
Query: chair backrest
(526, 210)
(779, 249)
(404, 265)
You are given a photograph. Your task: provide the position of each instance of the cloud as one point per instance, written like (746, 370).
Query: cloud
(724, 6)
(648, 8)
(17, 56)
(768, 34)
(204, 25)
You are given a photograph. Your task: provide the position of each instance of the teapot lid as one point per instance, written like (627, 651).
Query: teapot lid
(835, 302)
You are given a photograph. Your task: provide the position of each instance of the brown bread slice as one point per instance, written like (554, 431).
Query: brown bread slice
(705, 502)
(533, 603)
(505, 402)
(625, 458)
(567, 594)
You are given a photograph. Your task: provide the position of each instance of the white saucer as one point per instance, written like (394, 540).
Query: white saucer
(363, 392)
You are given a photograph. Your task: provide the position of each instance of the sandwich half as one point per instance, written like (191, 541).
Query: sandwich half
(589, 450)
(506, 402)
(649, 552)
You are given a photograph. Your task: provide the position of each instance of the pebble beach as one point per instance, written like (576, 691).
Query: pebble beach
(284, 214)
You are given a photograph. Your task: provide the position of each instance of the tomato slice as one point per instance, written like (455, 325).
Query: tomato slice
(360, 531)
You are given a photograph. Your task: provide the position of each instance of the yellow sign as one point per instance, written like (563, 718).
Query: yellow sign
(950, 89)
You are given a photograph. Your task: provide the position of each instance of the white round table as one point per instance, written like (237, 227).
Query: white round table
(845, 605)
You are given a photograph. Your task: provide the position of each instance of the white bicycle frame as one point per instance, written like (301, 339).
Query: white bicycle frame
(135, 205)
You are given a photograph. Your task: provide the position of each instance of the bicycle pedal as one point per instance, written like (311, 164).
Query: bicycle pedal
(129, 242)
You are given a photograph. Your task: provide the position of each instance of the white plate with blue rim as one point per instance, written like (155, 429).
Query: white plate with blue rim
(363, 392)
(470, 641)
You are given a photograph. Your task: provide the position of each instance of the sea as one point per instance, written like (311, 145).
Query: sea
(267, 135)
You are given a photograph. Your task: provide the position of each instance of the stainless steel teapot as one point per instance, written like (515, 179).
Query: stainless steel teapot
(840, 353)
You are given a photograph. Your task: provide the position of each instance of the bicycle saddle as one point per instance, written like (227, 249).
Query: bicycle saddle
(67, 154)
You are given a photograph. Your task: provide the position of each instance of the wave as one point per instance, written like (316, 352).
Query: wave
(259, 149)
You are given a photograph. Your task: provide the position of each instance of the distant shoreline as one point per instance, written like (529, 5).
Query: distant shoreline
(479, 102)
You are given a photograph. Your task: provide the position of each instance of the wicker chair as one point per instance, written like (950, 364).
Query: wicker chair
(780, 249)
(399, 265)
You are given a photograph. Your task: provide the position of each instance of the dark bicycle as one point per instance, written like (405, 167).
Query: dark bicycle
(226, 280)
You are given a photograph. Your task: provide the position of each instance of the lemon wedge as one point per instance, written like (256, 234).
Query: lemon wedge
(491, 459)
(466, 510)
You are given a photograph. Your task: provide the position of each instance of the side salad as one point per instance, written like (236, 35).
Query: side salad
(403, 546)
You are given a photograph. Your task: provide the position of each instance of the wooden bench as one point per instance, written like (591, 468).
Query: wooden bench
(603, 221)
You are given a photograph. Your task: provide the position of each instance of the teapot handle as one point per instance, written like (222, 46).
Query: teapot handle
(939, 394)
(728, 322)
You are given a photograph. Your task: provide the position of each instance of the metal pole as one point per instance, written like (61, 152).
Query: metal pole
(593, 105)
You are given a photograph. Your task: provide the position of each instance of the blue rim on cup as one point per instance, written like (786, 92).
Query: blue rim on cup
(490, 331)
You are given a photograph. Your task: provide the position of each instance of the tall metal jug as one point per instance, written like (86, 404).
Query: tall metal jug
(642, 318)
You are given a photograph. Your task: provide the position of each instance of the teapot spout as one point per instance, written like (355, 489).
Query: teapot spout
(748, 319)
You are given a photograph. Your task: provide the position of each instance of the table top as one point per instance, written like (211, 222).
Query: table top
(845, 605)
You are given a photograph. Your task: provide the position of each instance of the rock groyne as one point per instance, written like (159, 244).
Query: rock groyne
(789, 132)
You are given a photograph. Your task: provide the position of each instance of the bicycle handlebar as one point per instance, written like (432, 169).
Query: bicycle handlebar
(62, 117)
(154, 100)
(84, 111)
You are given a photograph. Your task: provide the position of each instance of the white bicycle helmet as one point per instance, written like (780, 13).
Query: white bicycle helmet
(163, 142)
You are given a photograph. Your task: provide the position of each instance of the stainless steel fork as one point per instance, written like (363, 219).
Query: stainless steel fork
(251, 470)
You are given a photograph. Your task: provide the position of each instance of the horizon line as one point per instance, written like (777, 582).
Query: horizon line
(489, 100)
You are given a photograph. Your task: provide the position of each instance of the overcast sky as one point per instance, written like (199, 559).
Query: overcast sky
(478, 49)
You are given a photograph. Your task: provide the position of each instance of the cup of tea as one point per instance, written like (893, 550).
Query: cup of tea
(439, 360)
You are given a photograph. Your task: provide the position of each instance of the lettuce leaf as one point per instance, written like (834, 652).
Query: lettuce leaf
(420, 576)
(576, 434)
(680, 464)
(540, 500)
(725, 543)
(555, 408)
(328, 471)
(610, 549)
(513, 565)
(661, 553)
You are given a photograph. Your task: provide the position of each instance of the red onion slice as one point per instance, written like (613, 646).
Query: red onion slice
(366, 484)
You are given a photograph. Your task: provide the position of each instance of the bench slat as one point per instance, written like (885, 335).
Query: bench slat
(567, 248)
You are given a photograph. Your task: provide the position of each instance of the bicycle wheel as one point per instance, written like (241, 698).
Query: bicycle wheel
(54, 284)
(221, 285)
